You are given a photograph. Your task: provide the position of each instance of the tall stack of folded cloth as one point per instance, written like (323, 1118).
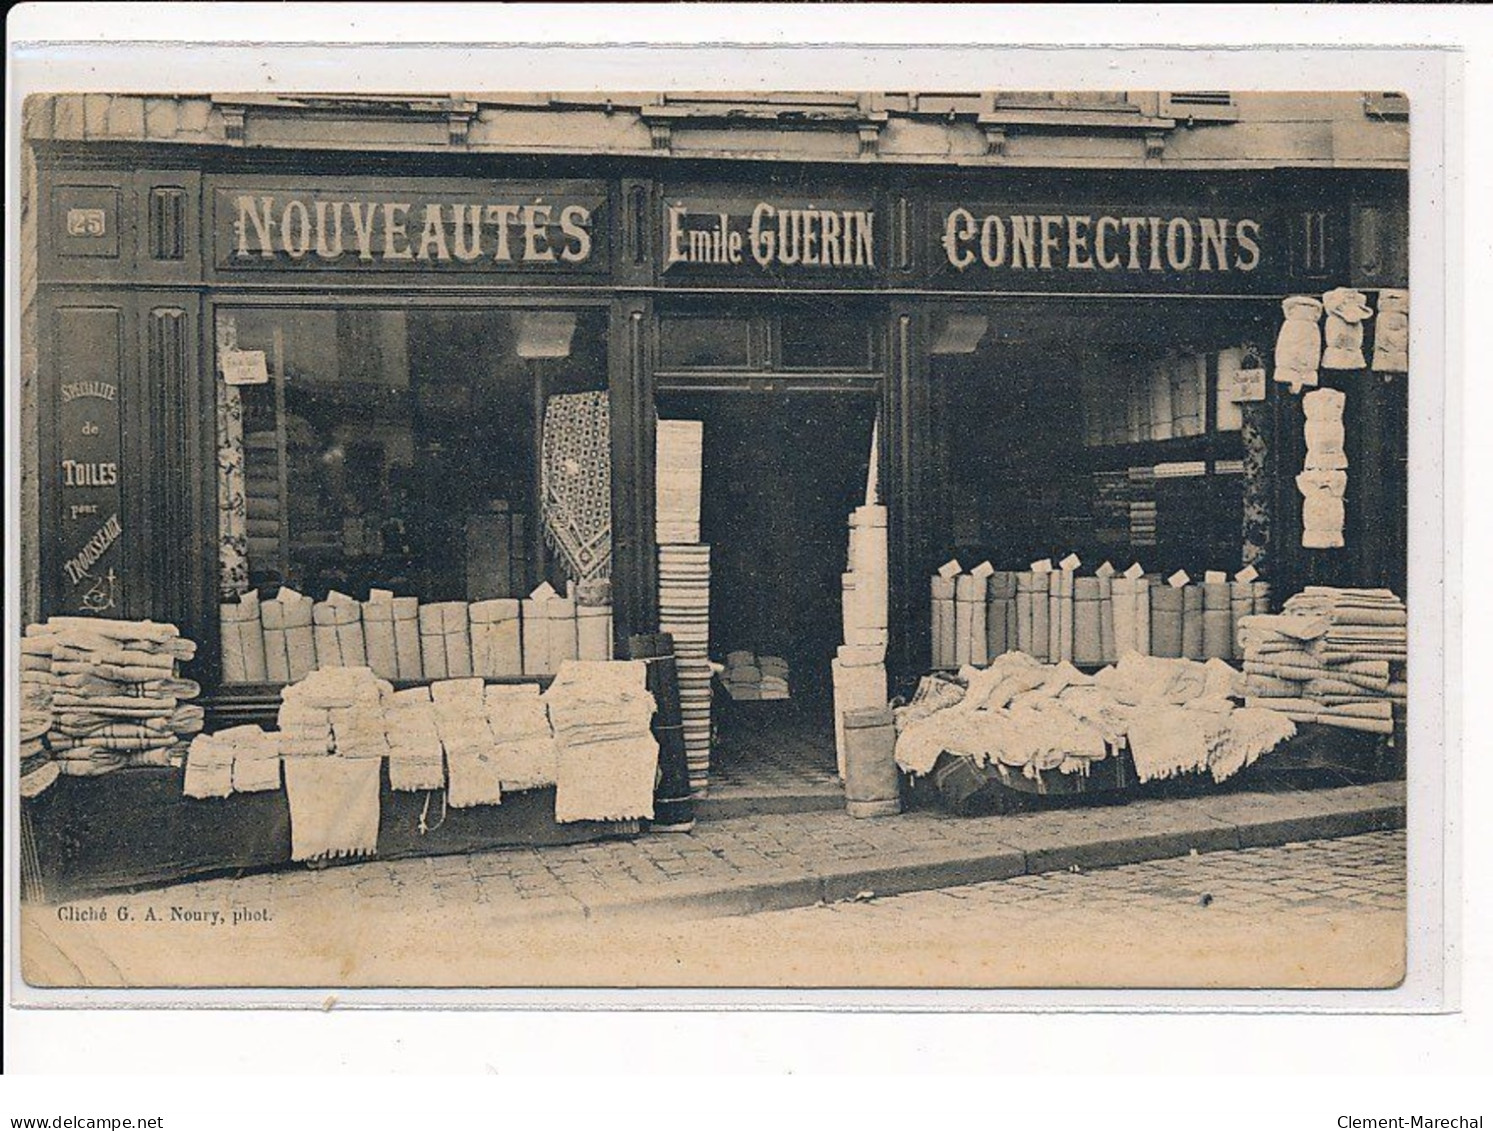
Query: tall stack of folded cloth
(971, 616)
(523, 744)
(497, 643)
(774, 677)
(243, 640)
(38, 768)
(242, 759)
(1175, 716)
(593, 619)
(262, 498)
(416, 759)
(1111, 507)
(742, 677)
(289, 637)
(473, 772)
(680, 450)
(337, 624)
(601, 713)
(331, 745)
(748, 676)
(1142, 506)
(1332, 656)
(445, 640)
(944, 590)
(864, 583)
(684, 613)
(117, 697)
(1000, 613)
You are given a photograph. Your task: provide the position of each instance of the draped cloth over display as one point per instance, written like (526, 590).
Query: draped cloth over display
(577, 483)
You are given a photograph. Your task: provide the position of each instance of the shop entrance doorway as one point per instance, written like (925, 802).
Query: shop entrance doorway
(781, 472)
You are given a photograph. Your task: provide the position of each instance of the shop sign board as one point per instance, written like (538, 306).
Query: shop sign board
(1111, 247)
(90, 489)
(769, 235)
(321, 224)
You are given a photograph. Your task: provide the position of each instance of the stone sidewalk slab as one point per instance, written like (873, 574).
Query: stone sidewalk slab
(831, 857)
(779, 861)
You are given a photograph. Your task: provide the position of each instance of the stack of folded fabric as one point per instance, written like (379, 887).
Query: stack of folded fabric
(445, 640)
(332, 780)
(593, 619)
(1142, 506)
(338, 628)
(416, 759)
(38, 768)
(289, 637)
(523, 744)
(684, 613)
(243, 759)
(473, 774)
(742, 677)
(1333, 656)
(679, 455)
(774, 677)
(243, 640)
(601, 714)
(117, 697)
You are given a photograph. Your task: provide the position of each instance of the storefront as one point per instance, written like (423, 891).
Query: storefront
(298, 373)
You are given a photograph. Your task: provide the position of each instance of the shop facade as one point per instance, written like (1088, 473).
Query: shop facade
(268, 355)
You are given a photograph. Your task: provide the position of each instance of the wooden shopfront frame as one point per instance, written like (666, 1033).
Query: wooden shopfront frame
(157, 285)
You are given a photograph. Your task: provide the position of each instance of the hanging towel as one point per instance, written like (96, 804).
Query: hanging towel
(1298, 347)
(1347, 311)
(334, 807)
(1323, 409)
(1322, 508)
(576, 482)
(1392, 332)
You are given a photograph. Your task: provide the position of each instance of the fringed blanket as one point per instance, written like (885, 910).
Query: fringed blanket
(333, 806)
(577, 483)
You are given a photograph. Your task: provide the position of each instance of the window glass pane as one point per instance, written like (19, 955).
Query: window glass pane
(704, 343)
(832, 342)
(393, 449)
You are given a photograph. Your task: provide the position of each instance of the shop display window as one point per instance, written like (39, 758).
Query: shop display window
(390, 448)
(1096, 434)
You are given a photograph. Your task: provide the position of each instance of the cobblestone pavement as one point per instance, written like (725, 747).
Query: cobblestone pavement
(1313, 914)
(772, 853)
(1316, 878)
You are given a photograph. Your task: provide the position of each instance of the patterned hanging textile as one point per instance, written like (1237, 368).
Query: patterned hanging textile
(233, 539)
(577, 484)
